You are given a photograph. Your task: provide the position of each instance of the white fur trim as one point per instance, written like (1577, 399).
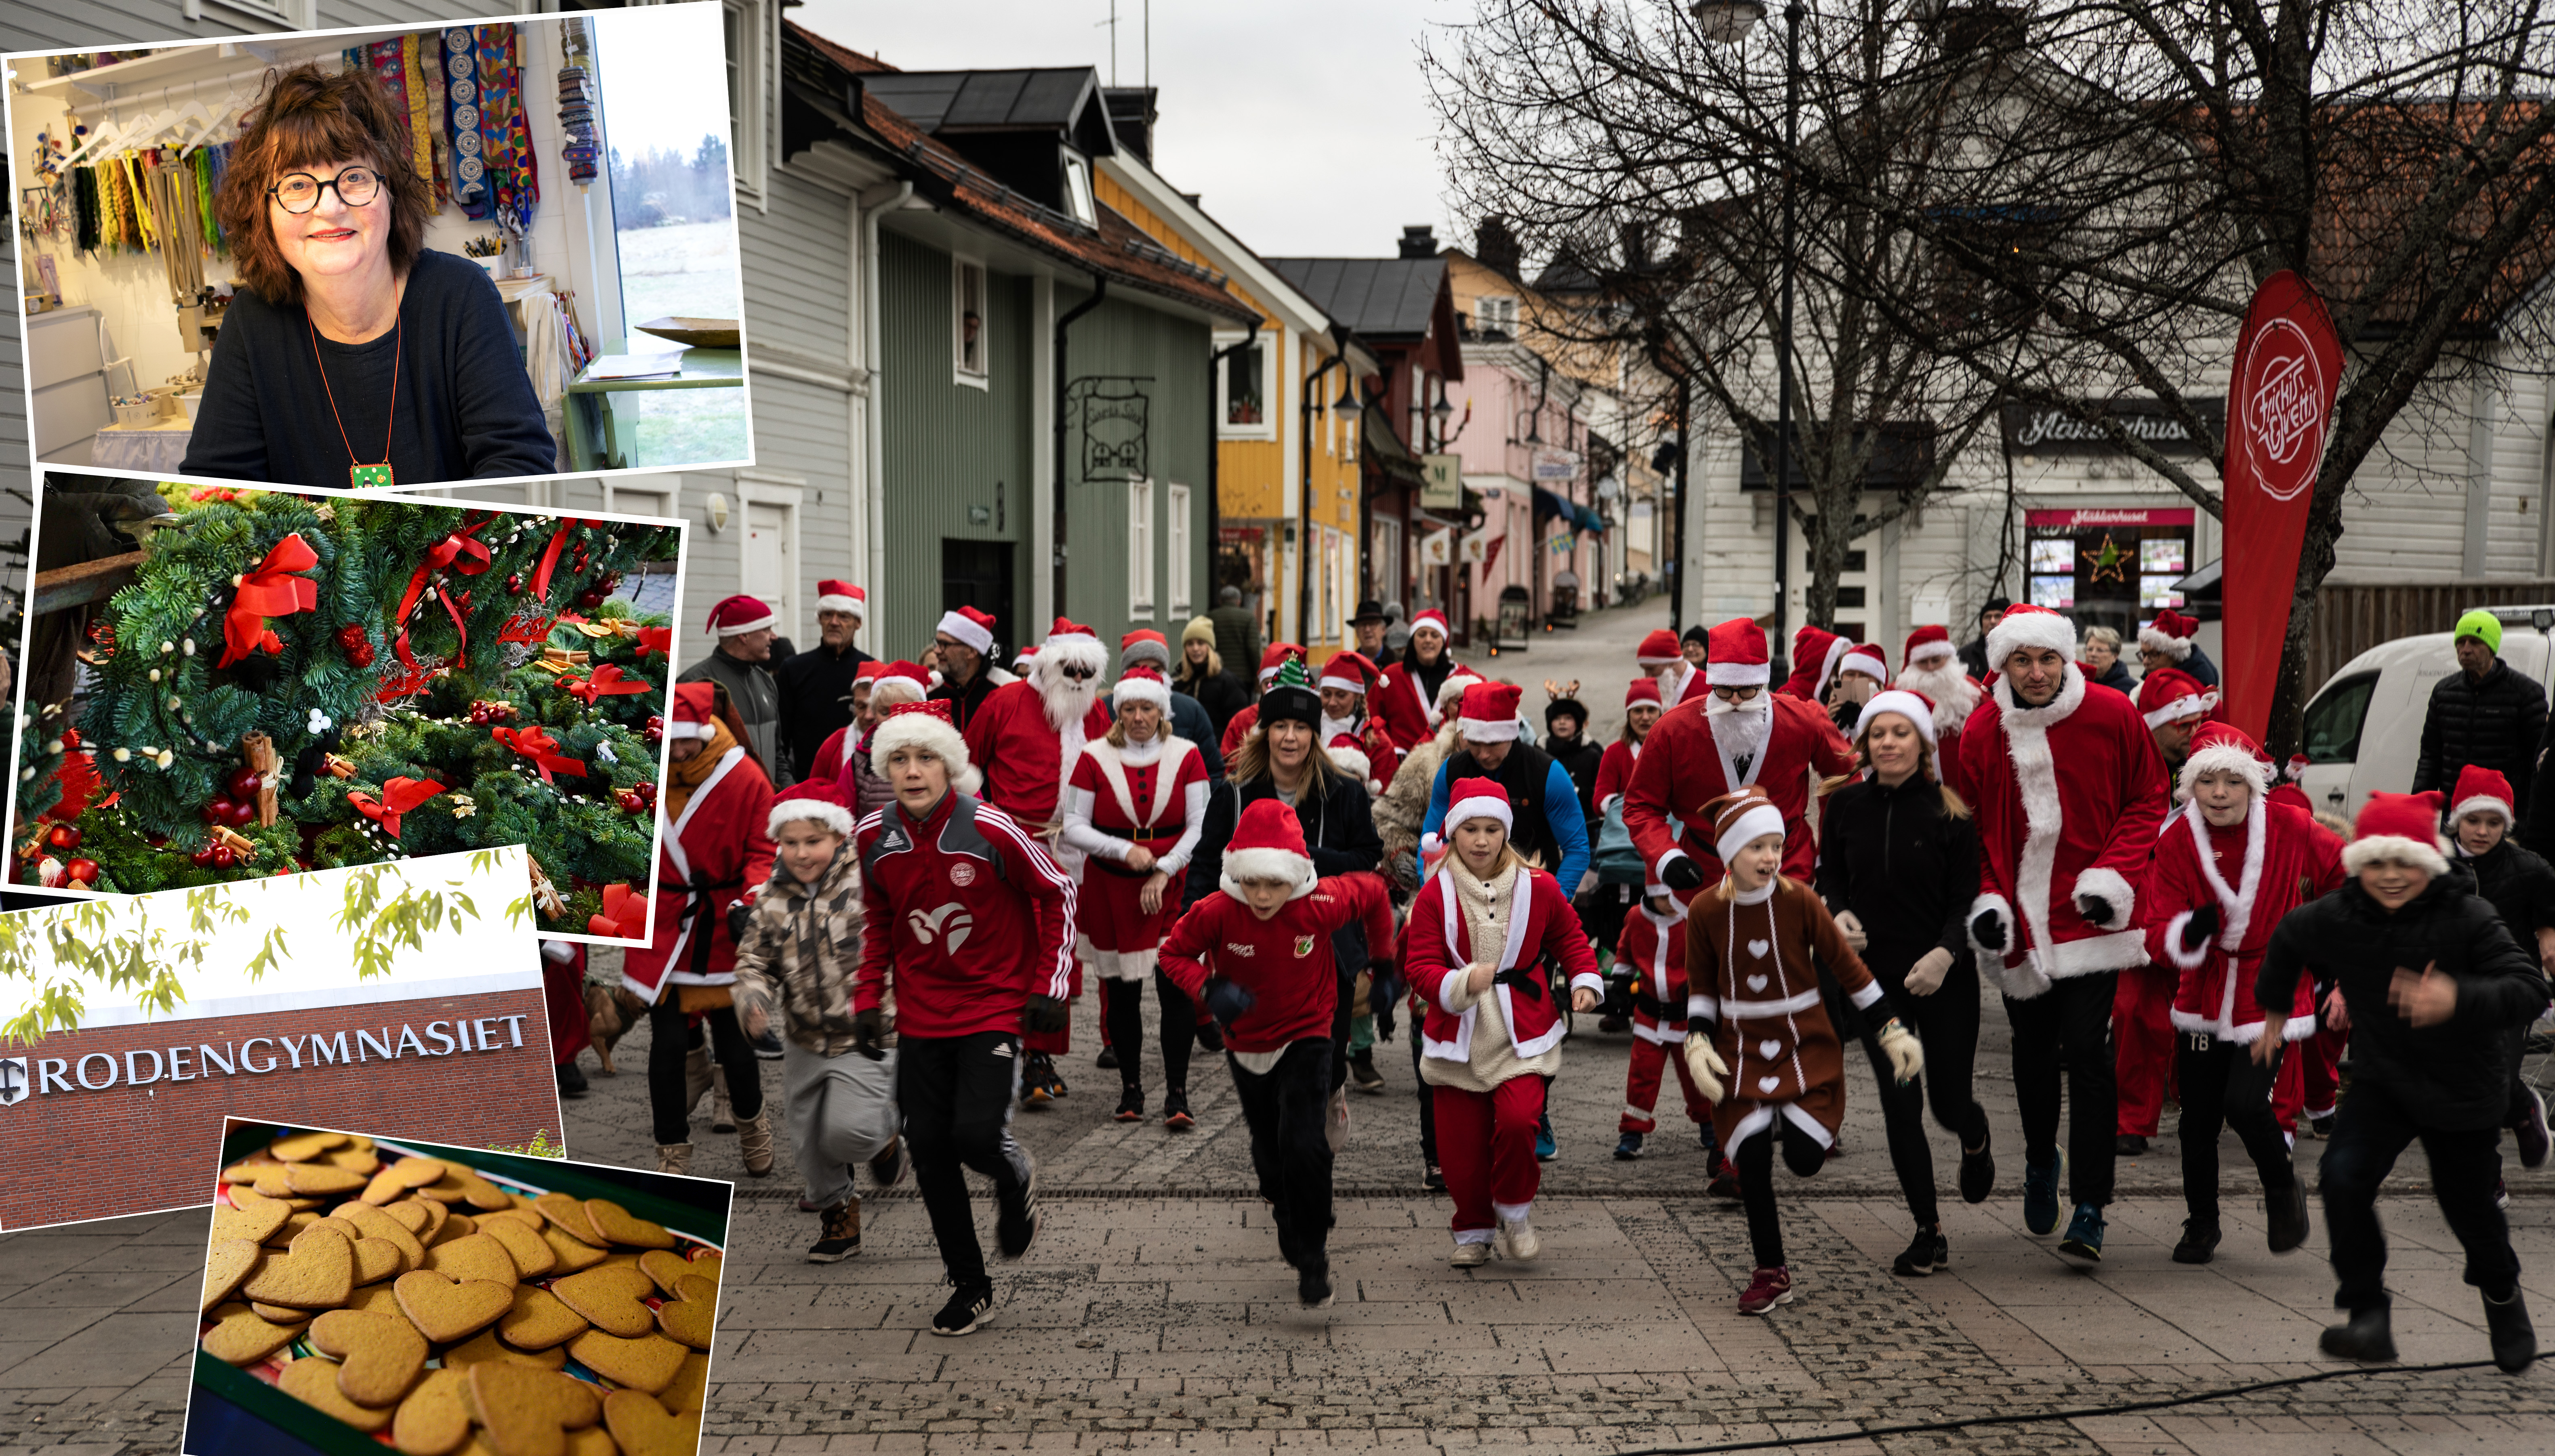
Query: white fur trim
(966, 631)
(1349, 684)
(1906, 705)
(1074, 650)
(2191, 705)
(2110, 886)
(2176, 648)
(2361, 853)
(1430, 620)
(2187, 960)
(1870, 993)
(832, 815)
(2226, 757)
(921, 730)
(1761, 821)
(1142, 689)
(849, 604)
(1123, 965)
(2295, 1028)
(1828, 663)
(2481, 801)
(1737, 675)
(2002, 909)
(1484, 730)
(2035, 773)
(1482, 808)
(1932, 652)
(2029, 628)
(559, 952)
(1704, 1006)
(686, 728)
(739, 629)
(1352, 762)
(1267, 864)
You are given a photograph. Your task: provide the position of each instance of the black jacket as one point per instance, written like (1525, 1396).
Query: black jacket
(2118, 678)
(2497, 721)
(2455, 1075)
(964, 701)
(2521, 889)
(1339, 836)
(815, 700)
(1579, 759)
(1220, 694)
(2197, 663)
(1908, 870)
(1974, 656)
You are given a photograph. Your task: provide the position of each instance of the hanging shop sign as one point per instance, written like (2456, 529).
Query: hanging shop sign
(2076, 429)
(1437, 549)
(54, 1076)
(1441, 482)
(1556, 465)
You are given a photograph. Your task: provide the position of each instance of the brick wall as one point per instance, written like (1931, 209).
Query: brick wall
(85, 1142)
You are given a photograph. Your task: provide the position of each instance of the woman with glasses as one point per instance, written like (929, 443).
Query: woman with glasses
(352, 355)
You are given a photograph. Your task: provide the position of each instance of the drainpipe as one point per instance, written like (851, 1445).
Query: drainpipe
(1099, 290)
(1312, 408)
(875, 445)
(1214, 458)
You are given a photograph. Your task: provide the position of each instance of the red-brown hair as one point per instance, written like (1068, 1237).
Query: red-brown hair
(305, 117)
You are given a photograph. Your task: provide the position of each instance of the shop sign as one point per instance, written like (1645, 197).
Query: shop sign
(1556, 467)
(2107, 515)
(1474, 547)
(99, 1071)
(1437, 547)
(1441, 482)
(2071, 429)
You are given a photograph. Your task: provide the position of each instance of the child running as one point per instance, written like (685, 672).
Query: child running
(1652, 957)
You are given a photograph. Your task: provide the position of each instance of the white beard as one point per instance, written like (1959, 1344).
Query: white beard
(1954, 696)
(1740, 728)
(1068, 701)
(1334, 727)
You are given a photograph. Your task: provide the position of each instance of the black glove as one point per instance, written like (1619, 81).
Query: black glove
(867, 1027)
(1043, 1014)
(1210, 1035)
(2201, 924)
(1988, 930)
(1619, 997)
(1682, 876)
(739, 916)
(1225, 1001)
(2095, 908)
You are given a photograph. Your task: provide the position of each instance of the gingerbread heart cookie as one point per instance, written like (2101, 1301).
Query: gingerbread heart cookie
(473, 1256)
(641, 1428)
(318, 1272)
(444, 1308)
(619, 1225)
(566, 1212)
(357, 1161)
(227, 1264)
(573, 1253)
(240, 1336)
(523, 1245)
(370, 1222)
(538, 1320)
(690, 1388)
(313, 1382)
(377, 1300)
(278, 1314)
(609, 1298)
(486, 1345)
(647, 1363)
(256, 1224)
(693, 1318)
(529, 1412)
(435, 1419)
(450, 1227)
(303, 1146)
(665, 1266)
(382, 1355)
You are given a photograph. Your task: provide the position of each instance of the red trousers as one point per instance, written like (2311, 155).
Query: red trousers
(1486, 1149)
(2142, 1043)
(1642, 1082)
(2319, 1060)
(2288, 1089)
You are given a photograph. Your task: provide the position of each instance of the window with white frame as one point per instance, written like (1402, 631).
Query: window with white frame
(1079, 200)
(746, 29)
(967, 320)
(1243, 410)
(1175, 544)
(1140, 548)
(1496, 313)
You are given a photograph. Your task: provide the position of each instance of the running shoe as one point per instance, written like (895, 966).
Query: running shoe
(1433, 1179)
(1107, 1060)
(1978, 1171)
(1928, 1253)
(768, 1045)
(2199, 1242)
(2531, 1131)
(968, 1310)
(2130, 1145)
(842, 1237)
(889, 1169)
(1545, 1148)
(1628, 1148)
(1131, 1105)
(1518, 1240)
(1176, 1111)
(1016, 1220)
(1770, 1287)
(2287, 1208)
(2040, 1190)
(1470, 1255)
(2084, 1235)
(1363, 1076)
(1313, 1285)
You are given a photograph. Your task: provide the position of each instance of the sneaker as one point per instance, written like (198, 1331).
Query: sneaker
(1725, 1185)
(1313, 1285)
(1928, 1253)
(1628, 1148)
(2530, 1132)
(768, 1045)
(2287, 1208)
(1978, 1171)
(1362, 1073)
(1016, 1222)
(967, 1311)
(571, 1083)
(2368, 1335)
(1770, 1287)
(2084, 1235)
(1518, 1240)
(1107, 1060)
(2199, 1242)
(889, 1169)
(1176, 1111)
(842, 1237)
(1131, 1105)
(2040, 1191)
(2322, 1126)
(1470, 1255)
(1038, 1082)
(1546, 1148)
(1433, 1179)
(2130, 1145)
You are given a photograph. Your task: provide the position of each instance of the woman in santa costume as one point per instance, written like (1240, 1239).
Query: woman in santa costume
(1898, 868)
(1347, 681)
(1406, 697)
(713, 855)
(1615, 767)
(1484, 933)
(1133, 811)
(2229, 866)
(1758, 1041)
(1652, 955)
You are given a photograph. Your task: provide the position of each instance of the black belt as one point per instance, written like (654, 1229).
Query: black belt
(700, 892)
(1528, 978)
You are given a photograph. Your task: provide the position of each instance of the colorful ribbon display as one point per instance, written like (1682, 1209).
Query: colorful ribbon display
(460, 552)
(272, 590)
(656, 640)
(550, 555)
(537, 744)
(398, 796)
(607, 681)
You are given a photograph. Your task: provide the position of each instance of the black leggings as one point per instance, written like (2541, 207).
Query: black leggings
(1755, 1160)
(1123, 1002)
(2221, 1084)
(669, 1038)
(1947, 1022)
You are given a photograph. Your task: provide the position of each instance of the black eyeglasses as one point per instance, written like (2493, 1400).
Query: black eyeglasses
(1078, 674)
(298, 191)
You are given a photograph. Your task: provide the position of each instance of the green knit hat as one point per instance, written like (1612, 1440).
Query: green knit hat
(2482, 626)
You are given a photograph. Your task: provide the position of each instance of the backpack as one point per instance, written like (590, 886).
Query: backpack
(1613, 857)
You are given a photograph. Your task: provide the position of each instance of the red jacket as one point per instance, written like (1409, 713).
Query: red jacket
(1283, 962)
(1025, 760)
(2278, 859)
(1439, 948)
(717, 854)
(970, 912)
(1615, 770)
(1653, 946)
(1680, 770)
(1236, 729)
(1408, 713)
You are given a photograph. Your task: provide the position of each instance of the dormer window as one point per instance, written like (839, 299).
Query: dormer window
(1077, 192)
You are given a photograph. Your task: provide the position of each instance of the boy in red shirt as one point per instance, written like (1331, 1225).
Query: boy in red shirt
(1258, 959)
(977, 923)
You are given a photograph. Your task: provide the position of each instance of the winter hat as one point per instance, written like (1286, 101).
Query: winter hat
(1022, 660)
(1867, 660)
(2029, 626)
(1268, 844)
(1907, 704)
(1817, 644)
(1738, 818)
(1735, 655)
(2169, 633)
(1643, 690)
(696, 708)
(1290, 697)
(2482, 624)
(1658, 650)
(1429, 619)
(1490, 712)
(971, 627)
(1478, 799)
(1145, 645)
(1142, 684)
(1274, 657)
(1695, 633)
(1458, 679)
(1351, 671)
(2482, 788)
(1926, 646)
(1201, 629)
(925, 725)
(2404, 827)
(811, 798)
(1349, 756)
(2224, 746)
(842, 597)
(740, 614)
(902, 674)
(2169, 695)
(1564, 700)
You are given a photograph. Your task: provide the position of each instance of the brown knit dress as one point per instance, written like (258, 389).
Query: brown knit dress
(1749, 970)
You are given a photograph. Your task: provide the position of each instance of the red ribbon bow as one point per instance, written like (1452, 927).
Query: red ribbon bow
(462, 551)
(398, 796)
(607, 681)
(272, 590)
(625, 914)
(656, 640)
(537, 745)
(550, 555)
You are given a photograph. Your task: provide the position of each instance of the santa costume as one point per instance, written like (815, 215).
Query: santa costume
(1699, 752)
(1406, 695)
(2172, 634)
(1238, 727)
(2061, 857)
(1815, 654)
(975, 629)
(1487, 1055)
(1653, 952)
(1663, 663)
(1931, 666)
(1351, 671)
(2142, 1035)
(1615, 767)
(1124, 796)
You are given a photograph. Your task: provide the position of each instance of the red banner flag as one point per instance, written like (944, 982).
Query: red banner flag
(2288, 364)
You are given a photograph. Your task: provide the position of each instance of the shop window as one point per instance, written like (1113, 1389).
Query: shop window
(967, 320)
(1176, 542)
(1140, 548)
(2107, 568)
(1496, 313)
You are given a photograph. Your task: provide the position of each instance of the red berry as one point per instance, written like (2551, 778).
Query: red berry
(62, 836)
(223, 857)
(203, 857)
(82, 871)
(243, 785)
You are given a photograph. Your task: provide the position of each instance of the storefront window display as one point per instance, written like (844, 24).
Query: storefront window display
(2108, 567)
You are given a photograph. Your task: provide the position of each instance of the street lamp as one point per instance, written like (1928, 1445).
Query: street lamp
(1727, 22)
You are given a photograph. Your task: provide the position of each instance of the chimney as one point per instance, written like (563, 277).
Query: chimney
(1636, 245)
(1132, 117)
(1496, 248)
(1419, 240)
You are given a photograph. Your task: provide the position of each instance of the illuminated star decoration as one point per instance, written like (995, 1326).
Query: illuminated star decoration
(2109, 558)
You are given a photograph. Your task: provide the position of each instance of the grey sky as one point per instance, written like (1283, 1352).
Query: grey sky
(1305, 123)
(655, 52)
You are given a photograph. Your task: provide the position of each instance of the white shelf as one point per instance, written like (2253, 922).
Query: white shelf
(172, 66)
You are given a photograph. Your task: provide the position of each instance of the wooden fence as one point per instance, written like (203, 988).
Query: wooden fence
(2350, 620)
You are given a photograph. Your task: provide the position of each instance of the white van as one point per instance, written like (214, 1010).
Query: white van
(2364, 729)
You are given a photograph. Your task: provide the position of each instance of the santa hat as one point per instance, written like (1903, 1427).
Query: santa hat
(2024, 624)
(1276, 656)
(2404, 827)
(1490, 712)
(842, 597)
(1867, 660)
(1658, 650)
(1457, 681)
(1907, 704)
(1349, 756)
(1350, 671)
(2169, 695)
(740, 614)
(1740, 818)
(1927, 645)
(810, 798)
(906, 676)
(1478, 799)
(1071, 645)
(1268, 844)
(1429, 619)
(694, 710)
(1643, 690)
(1735, 655)
(2482, 789)
(1141, 683)
(925, 725)
(971, 627)
(2169, 633)
(2223, 747)
(1143, 645)
(1022, 660)
(1817, 644)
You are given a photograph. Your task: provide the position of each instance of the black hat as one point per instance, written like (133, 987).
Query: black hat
(1369, 610)
(1995, 604)
(1697, 633)
(1561, 705)
(1291, 703)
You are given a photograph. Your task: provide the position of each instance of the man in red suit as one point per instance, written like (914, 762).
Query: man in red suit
(1734, 735)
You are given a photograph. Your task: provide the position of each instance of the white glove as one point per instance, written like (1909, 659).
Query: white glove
(1852, 925)
(1587, 882)
(1906, 1057)
(1926, 975)
(1705, 1065)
